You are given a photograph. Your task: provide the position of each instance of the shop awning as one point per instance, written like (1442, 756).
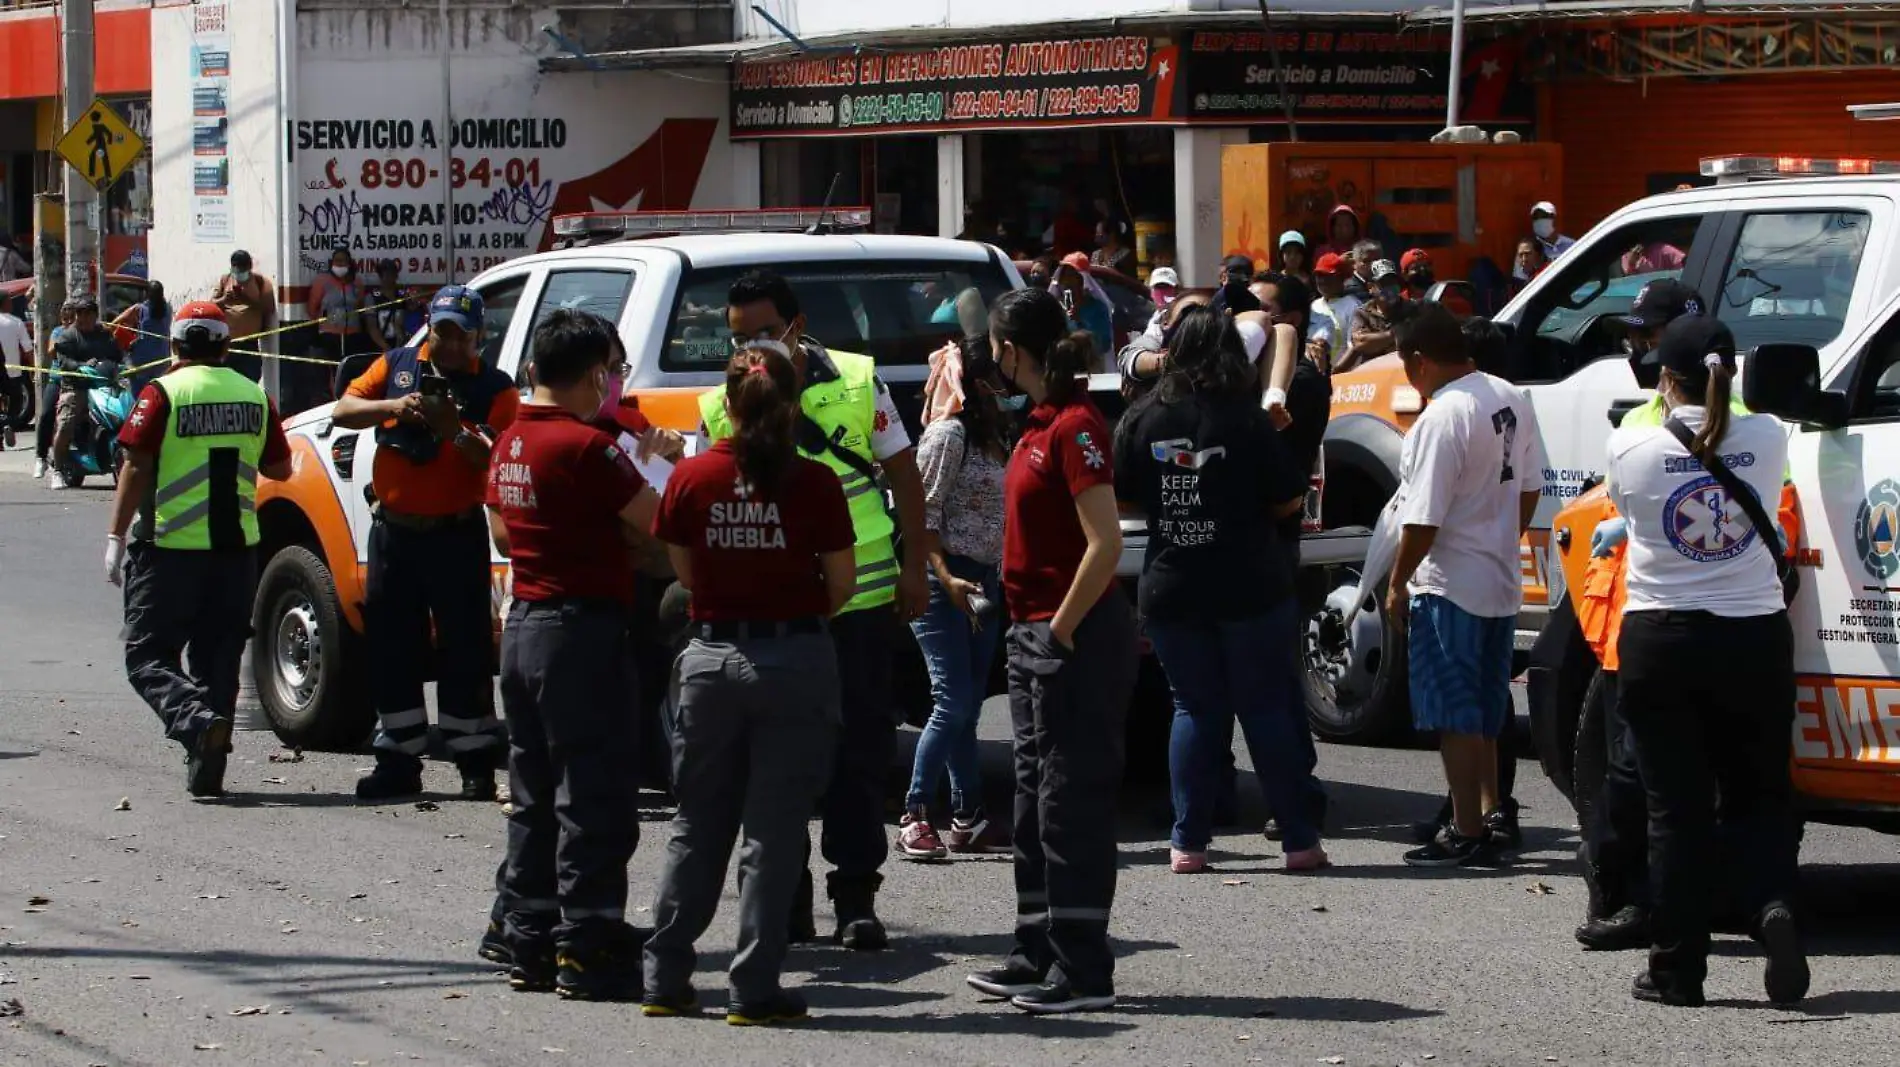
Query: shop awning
(1440, 13)
(1244, 16)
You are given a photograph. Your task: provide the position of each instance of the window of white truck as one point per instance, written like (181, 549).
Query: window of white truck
(1791, 278)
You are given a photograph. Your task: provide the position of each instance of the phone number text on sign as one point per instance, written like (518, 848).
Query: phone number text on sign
(1060, 102)
(416, 173)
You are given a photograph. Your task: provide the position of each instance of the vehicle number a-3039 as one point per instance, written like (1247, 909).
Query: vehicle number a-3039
(1355, 393)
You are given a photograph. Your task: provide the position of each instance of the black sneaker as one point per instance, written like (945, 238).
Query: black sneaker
(1448, 849)
(1644, 988)
(532, 967)
(1786, 977)
(601, 965)
(204, 765)
(784, 1008)
(670, 1005)
(494, 947)
(393, 779)
(1624, 931)
(1501, 828)
(859, 929)
(1273, 830)
(1058, 998)
(1005, 982)
(478, 783)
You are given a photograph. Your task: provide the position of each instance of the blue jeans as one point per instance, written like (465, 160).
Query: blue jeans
(959, 658)
(1222, 671)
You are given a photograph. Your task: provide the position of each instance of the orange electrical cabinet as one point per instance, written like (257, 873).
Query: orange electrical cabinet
(1457, 201)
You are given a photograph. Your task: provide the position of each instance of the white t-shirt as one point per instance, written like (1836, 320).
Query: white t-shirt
(1466, 463)
(1332, 320)
(1691, 547)
(14, 343)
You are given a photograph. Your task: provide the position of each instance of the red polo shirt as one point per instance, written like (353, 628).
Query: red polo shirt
(559, 486)
(754, 560)
(1063, 451)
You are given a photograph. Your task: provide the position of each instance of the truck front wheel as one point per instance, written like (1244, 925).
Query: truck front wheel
(1353, 676)
(307, 662)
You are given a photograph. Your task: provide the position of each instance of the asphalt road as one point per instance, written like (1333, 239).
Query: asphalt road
(289, 925)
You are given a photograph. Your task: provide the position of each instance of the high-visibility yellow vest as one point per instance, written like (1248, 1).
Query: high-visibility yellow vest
(846, 409)
(205, 494)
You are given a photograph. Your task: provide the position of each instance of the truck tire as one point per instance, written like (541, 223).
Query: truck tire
(306, 661)
(1354, 683)
(1590, 759)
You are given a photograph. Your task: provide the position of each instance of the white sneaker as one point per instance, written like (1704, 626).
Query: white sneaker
(39, 467)
(54, 481)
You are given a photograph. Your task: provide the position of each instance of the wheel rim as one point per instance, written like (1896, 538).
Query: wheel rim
(297, 652)
(1342, 667)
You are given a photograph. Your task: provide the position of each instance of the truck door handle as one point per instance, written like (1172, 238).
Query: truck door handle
(1620, 408)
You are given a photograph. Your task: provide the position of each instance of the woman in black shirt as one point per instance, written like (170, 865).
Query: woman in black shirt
(1204, 462)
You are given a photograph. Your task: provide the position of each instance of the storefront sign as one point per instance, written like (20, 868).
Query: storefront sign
(1348, 76)
(209, 83)
(1096, 81)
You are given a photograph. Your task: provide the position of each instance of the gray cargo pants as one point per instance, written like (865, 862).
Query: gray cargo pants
(754, 732)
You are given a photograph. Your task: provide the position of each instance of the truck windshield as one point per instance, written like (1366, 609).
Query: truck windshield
(896, 311)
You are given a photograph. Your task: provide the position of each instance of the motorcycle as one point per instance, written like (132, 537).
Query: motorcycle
(95, 448)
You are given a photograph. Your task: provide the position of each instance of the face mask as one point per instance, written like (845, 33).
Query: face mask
(1013, 403)
(240, 276)
(611, 399)
(1544, 227)
(1161, 297)
(339, 271)
(1520, 273)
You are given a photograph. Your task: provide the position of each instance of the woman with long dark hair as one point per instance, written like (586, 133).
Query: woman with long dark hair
(1072, 663)
(1204, 462)
(961, 454)
(762, 538)
(144, 331)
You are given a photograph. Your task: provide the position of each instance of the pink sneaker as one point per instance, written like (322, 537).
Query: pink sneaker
(976, 836)
(917, 841)
(1181, 862)
(1307, 859)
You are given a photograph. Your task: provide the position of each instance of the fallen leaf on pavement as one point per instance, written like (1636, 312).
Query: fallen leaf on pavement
(34, 911)
(454, 994)
(454, 837)
(11, 1007)
(1333, 1059)
(1244, 1037)
(92, 881)
(545, 1049)
(124, 804)
(288, 930)
(358, 896)
(39, 901)
(129, 923)
(275, 781)
(1234, 881)
(1319, 907)
(253, 1009)
(211, 896)
(207, 1046)
(295, 755)
(427, 805)
(1540, 889)
(139, 977)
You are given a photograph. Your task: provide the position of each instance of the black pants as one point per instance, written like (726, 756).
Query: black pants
(43, 419)
(415, 577)
(187, 616)
(567, 686)
(1619, 834)
(1706, 717)
(853, 841)
(1067, 710)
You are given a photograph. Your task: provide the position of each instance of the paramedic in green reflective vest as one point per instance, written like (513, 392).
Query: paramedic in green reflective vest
(194, 447)
(849, 423)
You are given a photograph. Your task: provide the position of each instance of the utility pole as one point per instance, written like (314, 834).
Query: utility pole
(1455, 89)
(82, 200)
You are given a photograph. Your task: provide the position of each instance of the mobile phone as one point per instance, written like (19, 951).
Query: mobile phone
(432, 386)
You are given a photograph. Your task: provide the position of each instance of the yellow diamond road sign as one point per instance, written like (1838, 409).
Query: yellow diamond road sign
(100, 145)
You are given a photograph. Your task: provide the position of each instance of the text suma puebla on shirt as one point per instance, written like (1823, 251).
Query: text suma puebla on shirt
(514, 485)
(744, 524)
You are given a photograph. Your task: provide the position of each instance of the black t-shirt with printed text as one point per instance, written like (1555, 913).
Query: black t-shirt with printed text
(1209, 472)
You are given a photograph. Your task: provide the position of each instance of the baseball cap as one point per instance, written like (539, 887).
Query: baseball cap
(1383, 269)
(200, 320)
(457, 304)
(1415, 257)
(1663, 301)
(1331, 263)
(1692, 342)
(1163, 276)
(82, 302)
(1077, 260)
(1543, 207)
(1238, 265)
(1293, 237)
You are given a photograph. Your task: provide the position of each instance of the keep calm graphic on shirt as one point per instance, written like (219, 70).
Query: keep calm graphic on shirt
(1464, 467)
(1691, 546)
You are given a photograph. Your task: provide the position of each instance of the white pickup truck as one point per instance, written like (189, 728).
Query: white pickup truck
(877, 295)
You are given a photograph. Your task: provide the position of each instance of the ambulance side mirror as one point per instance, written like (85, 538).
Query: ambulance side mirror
(1784, 380)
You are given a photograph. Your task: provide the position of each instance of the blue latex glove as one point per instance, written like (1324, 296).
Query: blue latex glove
(1609, 534)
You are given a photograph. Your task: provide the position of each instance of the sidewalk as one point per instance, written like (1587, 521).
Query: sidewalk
(19, 459)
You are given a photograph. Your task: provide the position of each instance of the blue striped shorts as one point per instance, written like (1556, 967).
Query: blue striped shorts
(1460, 667)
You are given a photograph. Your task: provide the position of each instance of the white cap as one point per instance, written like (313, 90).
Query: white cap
(1164, 276)
(1254, 337)
(1544, 207)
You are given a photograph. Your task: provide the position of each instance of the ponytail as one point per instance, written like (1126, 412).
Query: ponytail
(1716, 413)
(1035, 322)
(1065, 365)
(762, 397)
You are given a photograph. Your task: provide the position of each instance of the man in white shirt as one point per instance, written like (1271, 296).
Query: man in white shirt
(15, 350)
(1333, 309)
(1470, 476)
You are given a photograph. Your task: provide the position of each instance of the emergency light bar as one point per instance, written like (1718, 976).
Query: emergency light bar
(1874, 112)
(669, 223)
(1726, 169)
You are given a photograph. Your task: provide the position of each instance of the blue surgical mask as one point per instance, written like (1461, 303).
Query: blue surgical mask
(240, 276)
(1013, 403)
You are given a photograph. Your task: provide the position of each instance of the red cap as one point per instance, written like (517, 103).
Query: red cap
(1330, 263)
(1078, 260)
(1415, 257)
(203, 315)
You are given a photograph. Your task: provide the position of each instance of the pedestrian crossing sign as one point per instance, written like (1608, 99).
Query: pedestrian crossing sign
(100, 146)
